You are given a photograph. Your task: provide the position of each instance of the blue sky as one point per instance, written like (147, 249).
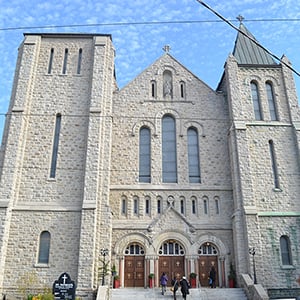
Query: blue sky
(200, 46)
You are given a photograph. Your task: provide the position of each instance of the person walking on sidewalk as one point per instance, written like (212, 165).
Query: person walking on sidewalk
(163, 282)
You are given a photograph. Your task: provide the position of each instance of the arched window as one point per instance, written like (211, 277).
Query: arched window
(256, 101)
(167, 84)
(205, 205)
(124, 206)
(136, 206)
(147, 206)
(134, 249)
(169, 157)
(159, 205)
(271, 101)
(145, 155)
(285, 249)
(194, 205)
(44, 248)
(171, 248)
(153, 89)
(274, 165)
(217, 203)
(182, 205)
(193, 156)
(208, 249)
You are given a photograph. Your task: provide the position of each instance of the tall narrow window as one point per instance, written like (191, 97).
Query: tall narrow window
(51, 61)
(217, 205)
(194, 206)
(271, 101)
(182, 89)
(193, 156)
(169, 158)
(145, 155)
(285, 249)
(153, 89)
(182, 206)
(55, 146)
(44, 248)
(274, 165)
(64, 70)
(205, 206)
(147, 206)
(124, 206)
(79, 61)
(256, 101)
(159, 203)
(136, 206)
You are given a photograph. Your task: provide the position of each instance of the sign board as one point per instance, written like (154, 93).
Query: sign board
(64, 287)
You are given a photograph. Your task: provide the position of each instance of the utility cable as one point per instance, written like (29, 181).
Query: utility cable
(143, 23)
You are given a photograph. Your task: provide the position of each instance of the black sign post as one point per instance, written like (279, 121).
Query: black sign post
(64, 287)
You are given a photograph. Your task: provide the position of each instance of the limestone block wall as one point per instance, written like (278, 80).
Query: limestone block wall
(261, 208)
(50, 82)
(23, 247)
(270, 270)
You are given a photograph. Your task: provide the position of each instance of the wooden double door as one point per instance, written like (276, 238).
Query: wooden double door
(172, 266)
(205, 264)
(134, 271)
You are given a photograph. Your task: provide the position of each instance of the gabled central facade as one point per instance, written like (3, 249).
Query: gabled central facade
(165, 180)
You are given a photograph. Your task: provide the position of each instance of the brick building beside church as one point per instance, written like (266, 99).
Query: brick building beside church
(167, 174)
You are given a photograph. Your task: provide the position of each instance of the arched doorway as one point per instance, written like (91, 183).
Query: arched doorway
(134, 272)
(208, 257)
(171, 259)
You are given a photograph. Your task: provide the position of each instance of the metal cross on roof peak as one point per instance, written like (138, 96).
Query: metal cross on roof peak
(166, 48)
(240, 18)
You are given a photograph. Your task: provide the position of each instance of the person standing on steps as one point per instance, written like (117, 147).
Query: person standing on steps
(163, 282)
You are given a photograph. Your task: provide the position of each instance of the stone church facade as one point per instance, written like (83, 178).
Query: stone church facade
(164, 175)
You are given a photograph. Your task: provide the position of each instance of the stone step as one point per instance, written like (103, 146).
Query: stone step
(199, 294)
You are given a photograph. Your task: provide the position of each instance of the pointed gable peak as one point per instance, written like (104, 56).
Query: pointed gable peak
(246, 51)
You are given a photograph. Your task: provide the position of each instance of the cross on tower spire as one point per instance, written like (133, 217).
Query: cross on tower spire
(166, 48)
(240, 18)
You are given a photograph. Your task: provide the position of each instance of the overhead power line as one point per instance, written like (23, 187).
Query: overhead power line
(142, 23)
(249, 37)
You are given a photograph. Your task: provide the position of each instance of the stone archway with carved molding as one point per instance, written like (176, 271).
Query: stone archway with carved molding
(175, 235)
(129, 238)
(172, 112)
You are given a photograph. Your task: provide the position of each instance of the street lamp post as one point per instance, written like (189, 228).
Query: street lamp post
(252, 252)
(103, 252)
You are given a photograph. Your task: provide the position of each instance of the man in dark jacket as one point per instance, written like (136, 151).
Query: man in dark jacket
(184, 287)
